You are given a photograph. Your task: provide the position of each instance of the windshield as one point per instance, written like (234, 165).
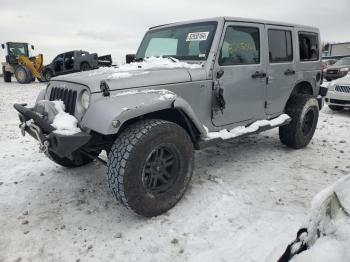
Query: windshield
(343, 62)
(17, 49)
(185, 42)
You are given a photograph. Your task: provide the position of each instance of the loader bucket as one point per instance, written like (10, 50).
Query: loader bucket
(34, 64)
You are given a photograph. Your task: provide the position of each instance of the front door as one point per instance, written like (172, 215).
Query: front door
(281, 68)
(240, 73)
(58, 64)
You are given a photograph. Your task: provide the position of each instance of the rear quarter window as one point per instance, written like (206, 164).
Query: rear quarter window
(308, 46)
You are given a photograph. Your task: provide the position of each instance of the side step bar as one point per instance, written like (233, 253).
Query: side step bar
(212, 142)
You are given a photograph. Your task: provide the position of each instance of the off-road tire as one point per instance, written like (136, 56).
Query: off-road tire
(127, 162)
(85, 66)
(336, 108)
(304, 111)
(80, 160)
(6, 75)
(23, 74)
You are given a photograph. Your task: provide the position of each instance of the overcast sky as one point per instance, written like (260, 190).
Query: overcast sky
(117, 27)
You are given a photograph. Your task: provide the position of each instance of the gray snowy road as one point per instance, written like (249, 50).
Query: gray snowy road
(247, 198)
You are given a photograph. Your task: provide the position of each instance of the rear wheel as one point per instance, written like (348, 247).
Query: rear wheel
(79, 160)
(336, 108)
(150, 165)
(7, 75)
(84, 67)
(23, 74)
(304, 111)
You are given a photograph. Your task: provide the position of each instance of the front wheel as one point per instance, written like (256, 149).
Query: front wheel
(150, 165)
(47, 75)
(23, 74)
(304, 111)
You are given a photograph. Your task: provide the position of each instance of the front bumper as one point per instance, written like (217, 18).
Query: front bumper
(338, 98)
(41, 130)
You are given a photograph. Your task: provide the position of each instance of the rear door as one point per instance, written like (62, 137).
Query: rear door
(243, 81)
(280, 69)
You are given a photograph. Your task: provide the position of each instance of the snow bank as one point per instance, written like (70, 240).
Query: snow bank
(64, 123)
(131, 69)
(241, 130)
(164, 94)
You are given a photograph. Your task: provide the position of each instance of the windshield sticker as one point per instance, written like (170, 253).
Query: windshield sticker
(202, 55)
(197, 36)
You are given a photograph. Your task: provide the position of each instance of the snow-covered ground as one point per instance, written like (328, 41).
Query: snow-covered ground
(247, 198)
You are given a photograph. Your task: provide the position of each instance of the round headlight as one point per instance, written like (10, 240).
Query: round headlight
(85, 99)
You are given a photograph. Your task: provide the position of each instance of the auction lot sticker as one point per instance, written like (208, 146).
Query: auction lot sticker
(197, 36)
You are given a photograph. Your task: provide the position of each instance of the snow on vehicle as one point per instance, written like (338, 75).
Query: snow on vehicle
(191, 85)
(338, 95)
(326, 234)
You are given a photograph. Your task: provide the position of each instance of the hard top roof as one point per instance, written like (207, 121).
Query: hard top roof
(237, 19)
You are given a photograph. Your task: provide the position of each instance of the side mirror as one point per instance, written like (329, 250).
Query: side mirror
(32, 46)
(3, 46)
(130, 58)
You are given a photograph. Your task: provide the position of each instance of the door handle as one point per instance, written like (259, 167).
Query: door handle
(289, 72)
(258, 74)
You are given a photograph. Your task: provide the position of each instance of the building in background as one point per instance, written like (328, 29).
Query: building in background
(337, 50)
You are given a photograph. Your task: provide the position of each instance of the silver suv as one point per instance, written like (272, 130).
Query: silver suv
(190, 85)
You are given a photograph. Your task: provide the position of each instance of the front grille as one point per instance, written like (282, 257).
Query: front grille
(344, 89)
(68, 97)
(332, 71)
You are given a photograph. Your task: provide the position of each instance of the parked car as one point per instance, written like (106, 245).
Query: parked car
(338, 95)
(338, 70)
(192, 85)
(327, 63)
(74, 61)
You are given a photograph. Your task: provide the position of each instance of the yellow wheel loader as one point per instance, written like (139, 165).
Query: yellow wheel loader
(20, 64)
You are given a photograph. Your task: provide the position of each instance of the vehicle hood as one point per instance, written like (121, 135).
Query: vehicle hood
(342, 81)
(337, 67)
(143, 74)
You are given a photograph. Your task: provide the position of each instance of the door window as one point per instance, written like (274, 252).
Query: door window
(280, 46)
(241, 46)
(308, 46)
(69, 60)
(58, 63)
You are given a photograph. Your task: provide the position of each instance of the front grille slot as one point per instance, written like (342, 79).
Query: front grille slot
(344, 89)
(68, 97)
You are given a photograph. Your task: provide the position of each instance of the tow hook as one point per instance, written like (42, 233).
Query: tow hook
(43, 148)
(22, 126)
(43, 144)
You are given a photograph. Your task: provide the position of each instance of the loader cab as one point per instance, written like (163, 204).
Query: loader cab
(15, 50)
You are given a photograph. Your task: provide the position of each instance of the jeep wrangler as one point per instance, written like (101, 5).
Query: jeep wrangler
(189, 86)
